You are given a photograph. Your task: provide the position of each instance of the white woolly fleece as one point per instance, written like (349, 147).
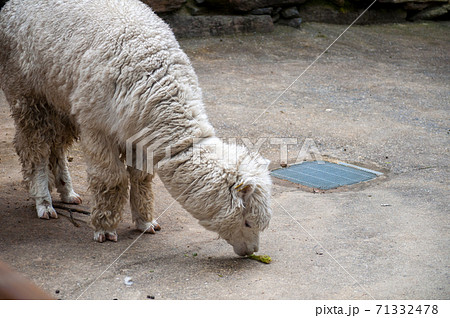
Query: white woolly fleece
(105, 70)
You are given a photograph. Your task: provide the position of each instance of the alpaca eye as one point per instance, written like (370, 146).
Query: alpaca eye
(247, 224)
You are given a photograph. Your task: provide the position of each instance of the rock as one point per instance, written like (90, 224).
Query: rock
(319, 250)
(218, 4)
(415, 6)
(277, 10)
(248, 5)
(327, 13)
(217, 13)
(262, 11)
(217, 25)
(160, 6)
(432, 13)
(290, 13)
(294, 22)
(404, 1)
(275, 17)
(339, 3)
(194, 10)
(276, 14)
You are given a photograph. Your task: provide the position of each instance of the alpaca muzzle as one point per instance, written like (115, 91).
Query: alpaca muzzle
(243, 249)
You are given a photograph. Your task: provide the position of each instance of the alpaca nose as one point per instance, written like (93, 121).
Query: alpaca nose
(240, 251)
(245, 250)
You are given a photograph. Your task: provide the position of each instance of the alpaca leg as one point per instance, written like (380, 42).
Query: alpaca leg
(142, 201)
(32, 140)
(65, 133)
(39, 191)
(63, 180)
(108, 182)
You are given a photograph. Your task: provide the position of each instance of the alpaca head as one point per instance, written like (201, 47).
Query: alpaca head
(248, 213)
(247, 209)
(229, 197)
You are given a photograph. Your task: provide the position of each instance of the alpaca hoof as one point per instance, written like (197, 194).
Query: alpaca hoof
(111, 236)
(149, 227)
(46, 212)
(102, 236)
(156, 226)
(99, 236)
(72, 198)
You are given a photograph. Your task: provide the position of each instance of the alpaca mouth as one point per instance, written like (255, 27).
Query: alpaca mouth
(243, 250)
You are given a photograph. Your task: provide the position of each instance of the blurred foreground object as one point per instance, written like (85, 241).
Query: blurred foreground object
(14, 286)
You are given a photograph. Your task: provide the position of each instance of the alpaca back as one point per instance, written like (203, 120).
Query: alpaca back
(112, 64)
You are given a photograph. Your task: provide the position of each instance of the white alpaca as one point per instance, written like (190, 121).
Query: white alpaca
(103, 71)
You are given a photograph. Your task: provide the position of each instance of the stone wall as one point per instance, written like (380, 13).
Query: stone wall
(221, 17)
(161, 6)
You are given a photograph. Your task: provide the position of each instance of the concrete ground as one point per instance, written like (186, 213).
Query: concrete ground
(379, 97)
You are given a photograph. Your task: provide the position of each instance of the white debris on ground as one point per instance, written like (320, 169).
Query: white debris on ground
(128, 281)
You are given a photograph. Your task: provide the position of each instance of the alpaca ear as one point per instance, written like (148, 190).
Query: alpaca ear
(244, 189)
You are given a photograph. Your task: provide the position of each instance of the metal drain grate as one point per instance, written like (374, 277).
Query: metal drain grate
(325, 175)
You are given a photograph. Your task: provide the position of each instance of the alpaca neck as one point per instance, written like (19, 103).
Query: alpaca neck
(196, 179)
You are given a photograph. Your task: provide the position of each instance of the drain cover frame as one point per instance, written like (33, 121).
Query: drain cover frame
(325, 175)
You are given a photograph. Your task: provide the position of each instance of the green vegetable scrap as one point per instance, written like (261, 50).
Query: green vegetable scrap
(262, 258)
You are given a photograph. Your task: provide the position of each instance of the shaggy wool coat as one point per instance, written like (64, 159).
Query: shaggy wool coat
(106, 70)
